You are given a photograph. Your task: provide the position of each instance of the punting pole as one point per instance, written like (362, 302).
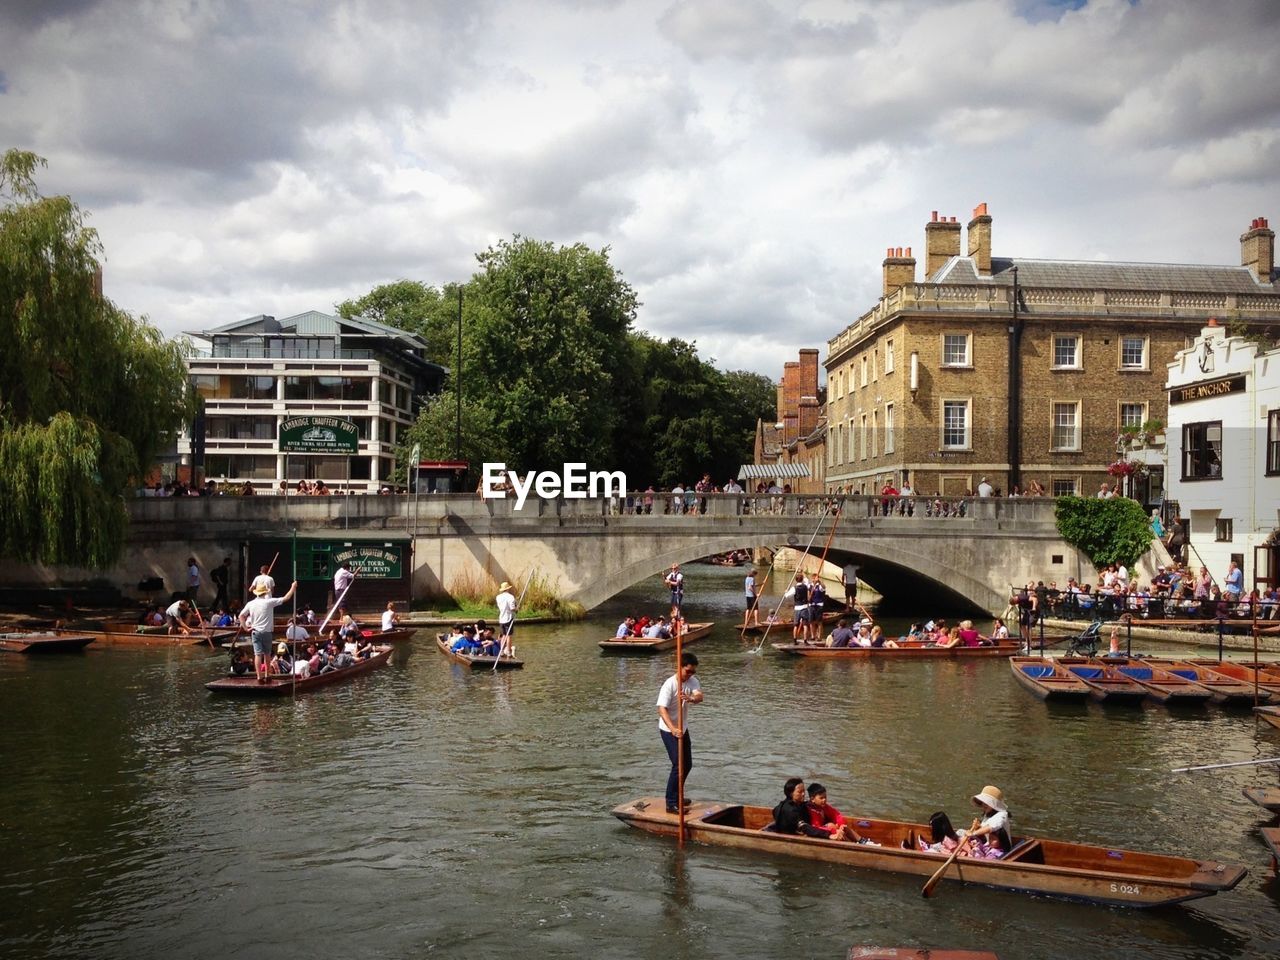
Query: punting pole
(1220, 766)
(680, 739)
(769, 626)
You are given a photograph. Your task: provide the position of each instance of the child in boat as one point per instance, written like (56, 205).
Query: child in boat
(792, 814)
(827, 818)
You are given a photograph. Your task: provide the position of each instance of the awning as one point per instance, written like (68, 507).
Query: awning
(773, 471)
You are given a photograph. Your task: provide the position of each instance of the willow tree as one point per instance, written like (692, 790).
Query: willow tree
(87, 392)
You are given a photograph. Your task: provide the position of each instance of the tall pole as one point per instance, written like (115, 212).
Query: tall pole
(457, 384)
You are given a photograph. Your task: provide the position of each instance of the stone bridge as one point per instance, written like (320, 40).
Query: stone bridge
(590, 549)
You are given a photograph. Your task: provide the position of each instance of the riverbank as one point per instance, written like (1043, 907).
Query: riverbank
(1184, 636)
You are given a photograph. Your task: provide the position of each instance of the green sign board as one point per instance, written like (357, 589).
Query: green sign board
(370, 563)
(319, 435)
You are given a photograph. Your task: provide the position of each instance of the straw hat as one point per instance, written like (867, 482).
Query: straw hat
(282, 647)
(505, 585)
(261, 590)
(992, 797)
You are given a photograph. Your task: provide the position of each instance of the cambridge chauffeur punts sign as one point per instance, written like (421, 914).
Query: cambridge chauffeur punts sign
(371, 563)
(319, 435)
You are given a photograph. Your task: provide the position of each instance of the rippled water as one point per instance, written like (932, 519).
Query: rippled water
(423, 810)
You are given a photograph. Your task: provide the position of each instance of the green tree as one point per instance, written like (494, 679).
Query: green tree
(87, 392)
(411, 305)
(436, 431)
(1114, 530)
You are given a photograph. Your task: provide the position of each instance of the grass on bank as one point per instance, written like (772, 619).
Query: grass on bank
(471, 596)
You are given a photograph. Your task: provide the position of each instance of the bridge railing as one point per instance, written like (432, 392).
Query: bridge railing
(410, 512)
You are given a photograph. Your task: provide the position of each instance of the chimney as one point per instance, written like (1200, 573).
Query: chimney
(899, 269)
(808, 374)
(810, 413)
(941, 243)
(980, 240)
(790, 427)
(1258, 249)
(790, 389)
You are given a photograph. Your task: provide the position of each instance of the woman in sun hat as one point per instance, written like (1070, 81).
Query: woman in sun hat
(993, 830)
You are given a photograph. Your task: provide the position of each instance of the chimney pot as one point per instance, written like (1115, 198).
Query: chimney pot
(935, 216)
(980, 210)
(889, 252)
(953, 219)
(908, 251)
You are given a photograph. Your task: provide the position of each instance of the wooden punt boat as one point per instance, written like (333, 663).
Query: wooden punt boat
(910, 953)
(1271, 837)
(477, 661)
(197, 638)
(30, 641)
(1163, 685)
(906, 650)
(1105, 681)
(1269, 714)
(1053, 868)
(754, 629)
(1266, 797)
(1226, 691)
(695, 633)
(1238, 671)
(276, 686)
(1047, 680)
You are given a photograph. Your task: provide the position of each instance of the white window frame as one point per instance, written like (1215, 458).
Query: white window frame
(1056, 483)
(875, 433)
(875, 364)
(967, 403)
(1077, 426)
(1140, 404)
(888, 356)
(968, 351)
(862, 439)
(1145, 364)
(1078, 346)
(864, 370)
(890, 444)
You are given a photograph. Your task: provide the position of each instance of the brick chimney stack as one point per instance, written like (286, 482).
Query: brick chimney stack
(941, 243)
(899, 269)
(809, 374)
(1258, 249)
(980, 240)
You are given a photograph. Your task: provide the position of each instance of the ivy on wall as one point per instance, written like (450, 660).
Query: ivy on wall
(1116, 530)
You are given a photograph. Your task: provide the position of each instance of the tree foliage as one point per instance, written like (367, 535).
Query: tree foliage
(428, 311)
(87, 392)
(1113, 530)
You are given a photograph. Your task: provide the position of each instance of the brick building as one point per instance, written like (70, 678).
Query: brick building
(798, 435)
(1016, 369)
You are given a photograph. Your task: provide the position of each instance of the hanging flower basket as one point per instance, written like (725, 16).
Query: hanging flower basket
(1127, 468)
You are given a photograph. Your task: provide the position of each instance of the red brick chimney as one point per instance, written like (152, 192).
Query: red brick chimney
(899, 269)
(808, 374)
(941, 243)
(980, 240)
(1258, 249)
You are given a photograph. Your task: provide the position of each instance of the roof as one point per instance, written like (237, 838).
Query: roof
(773, 471)
(312, 323)
(1105, 275)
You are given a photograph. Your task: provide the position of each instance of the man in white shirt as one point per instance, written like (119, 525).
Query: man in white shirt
(506, 601)
(985, 489)
(296, 632)
(677, 694)
(257, 616)
(263, 579)
(341, 582)
(389, 617)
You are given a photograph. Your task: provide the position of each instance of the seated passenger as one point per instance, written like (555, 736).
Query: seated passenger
(241, 665)
(467, 643)
(841, 636)
(625, 628)
(969, 637)
(281, 662)
(489, 644)
(999, 632)
(296, 632)
(878, 639)
(305, 666)
(641, 626)
(992, 833)
(827, 818)
(365, 650)
(792, 814)
(949, 640)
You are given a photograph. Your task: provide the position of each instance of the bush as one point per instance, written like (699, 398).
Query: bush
(1110, 531)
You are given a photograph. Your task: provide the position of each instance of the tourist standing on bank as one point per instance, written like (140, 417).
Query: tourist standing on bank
(193, 579)
(221, 577)
(341, 581)
(258, 617)
(506, 602)
(680, 691)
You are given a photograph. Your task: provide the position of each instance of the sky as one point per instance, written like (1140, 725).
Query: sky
(746, 162)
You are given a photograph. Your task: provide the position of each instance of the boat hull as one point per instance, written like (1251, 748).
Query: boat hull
(1048, 681)
(477, 662)
(34, 642)
(1105, 684)
(695, 633)
(755, 629)
(108, 639)
(1270, 714)
(288, 686)
(1071, 871)
(1225, 691)
(1265, 797)
(909, 651)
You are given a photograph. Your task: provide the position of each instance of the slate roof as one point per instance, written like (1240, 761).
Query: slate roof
(1106, 275)
(312, 323)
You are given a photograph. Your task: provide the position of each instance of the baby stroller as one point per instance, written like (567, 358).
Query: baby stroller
(1085, 643)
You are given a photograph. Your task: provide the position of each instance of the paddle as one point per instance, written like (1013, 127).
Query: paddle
(503, 640)
(932, 882)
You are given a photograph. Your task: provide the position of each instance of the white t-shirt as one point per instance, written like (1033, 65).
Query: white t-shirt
(302, 667)
(258, 613)
(193, 576)
(174, 610)
(667, 698)
(506, 601)
(388, 620)
(342, 579)
(264, 580)
(296, 632)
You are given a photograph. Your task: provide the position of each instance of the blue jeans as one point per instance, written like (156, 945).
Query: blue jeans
(673, 779)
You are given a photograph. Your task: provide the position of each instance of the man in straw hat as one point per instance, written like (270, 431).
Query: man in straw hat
(258, 617)
(506, 601)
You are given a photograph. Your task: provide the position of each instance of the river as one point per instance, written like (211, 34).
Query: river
(426, 811)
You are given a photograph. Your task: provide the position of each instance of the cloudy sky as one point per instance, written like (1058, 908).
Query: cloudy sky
(747, 161)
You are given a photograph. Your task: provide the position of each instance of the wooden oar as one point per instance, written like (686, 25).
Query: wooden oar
(932, 882)
(680, 739)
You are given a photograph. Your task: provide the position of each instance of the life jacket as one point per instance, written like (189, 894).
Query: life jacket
(801, 594)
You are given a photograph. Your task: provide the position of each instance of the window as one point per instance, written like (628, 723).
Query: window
(1202, 451)
(205, 385)
(1133, 414)
(955, 424)
(875, 432)
(1064, 486)
(253, 388)
(955, 350)
(1273, 443)
(1222, 530)
(862, 442)
(888, 428)
(1066, 352)
(888, 356)
(864, 371)
(875, 364)
(1133, 353)
(1066, 426)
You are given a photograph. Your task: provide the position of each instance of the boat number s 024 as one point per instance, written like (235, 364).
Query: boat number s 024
(1129, 888)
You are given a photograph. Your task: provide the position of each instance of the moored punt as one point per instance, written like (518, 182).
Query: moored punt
(695, 632)
(905, 650)
(1163, 685)
(1271, 836)
(30, 641)
(1269, 714)
(1238, 671)
(477, 661)
(1105, 682)
(278, 685)
(193, 639)
(909, 953)
(1226, 690)
(1266, 797)
(1047, 680)
(1054, 868)
(754, 629)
